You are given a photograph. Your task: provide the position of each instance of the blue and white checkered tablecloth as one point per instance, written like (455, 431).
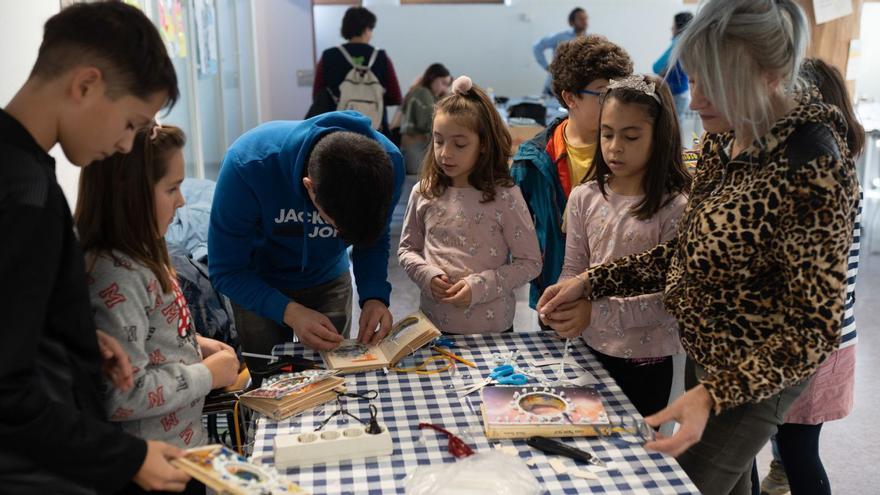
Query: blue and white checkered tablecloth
(406, 399)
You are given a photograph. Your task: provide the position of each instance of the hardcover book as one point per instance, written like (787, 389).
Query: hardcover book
(224, 471)
(520, 412)
(408, 335)
(288, 394)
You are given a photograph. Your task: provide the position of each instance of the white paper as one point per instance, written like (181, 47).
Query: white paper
(538, 363)
(854, 62)
(828, 10)
(583, 380)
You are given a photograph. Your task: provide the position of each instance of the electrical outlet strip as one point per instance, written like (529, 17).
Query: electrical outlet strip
(313, 447)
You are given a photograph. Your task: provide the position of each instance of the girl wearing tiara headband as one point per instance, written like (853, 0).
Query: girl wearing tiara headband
(125, 205)
(468, 239)
(629, 202)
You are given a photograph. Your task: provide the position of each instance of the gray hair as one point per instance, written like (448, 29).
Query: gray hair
(731, 44)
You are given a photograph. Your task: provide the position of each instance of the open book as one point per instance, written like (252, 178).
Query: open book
(520, 412)
(407, 335)
(224, 471)
(288, 394)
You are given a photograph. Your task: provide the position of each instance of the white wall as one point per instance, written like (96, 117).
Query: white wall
(21, 28)
(283, 30)
(493, 43)
(869, 77)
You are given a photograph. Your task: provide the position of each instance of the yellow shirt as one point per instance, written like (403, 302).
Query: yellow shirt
(580, 159)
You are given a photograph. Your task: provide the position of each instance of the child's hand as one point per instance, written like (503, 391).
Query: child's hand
(115, 362)
(211, 346)
(570, 318)
(458, 295)
(439, 285)
(224, 368)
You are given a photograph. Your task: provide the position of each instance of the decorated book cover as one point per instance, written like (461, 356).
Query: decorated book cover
(224, 471)
(288, 394)
(518, 412)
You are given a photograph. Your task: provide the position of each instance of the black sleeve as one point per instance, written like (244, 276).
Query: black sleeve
(53, 430)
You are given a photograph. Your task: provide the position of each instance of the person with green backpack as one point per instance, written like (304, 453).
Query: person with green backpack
(355, 75)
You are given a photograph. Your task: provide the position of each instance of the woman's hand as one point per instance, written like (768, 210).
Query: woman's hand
(569, 319)
(563, 292)
(691, 411)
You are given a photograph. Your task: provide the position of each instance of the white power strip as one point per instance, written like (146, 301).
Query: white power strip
(303, 449)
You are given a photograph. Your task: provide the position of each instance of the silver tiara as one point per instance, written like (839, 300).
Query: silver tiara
(636, 82)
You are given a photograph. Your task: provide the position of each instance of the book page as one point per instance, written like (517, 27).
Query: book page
(408, 335)
(353, 354)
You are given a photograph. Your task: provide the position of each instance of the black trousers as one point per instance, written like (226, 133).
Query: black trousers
(259, 335)
(646, 385)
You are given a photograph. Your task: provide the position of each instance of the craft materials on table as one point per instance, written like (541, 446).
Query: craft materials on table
(406, 336)
(224, 471)
(287, 394)
(520, 412)
(555, 447)
(503, 375)
(456, 446)
(407, 399)
(453, 356)
(561, 374)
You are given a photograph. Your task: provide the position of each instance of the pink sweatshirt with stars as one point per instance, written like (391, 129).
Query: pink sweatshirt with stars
(492, 246)
(599, 230)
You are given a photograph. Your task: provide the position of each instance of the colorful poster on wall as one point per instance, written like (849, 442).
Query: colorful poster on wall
(172, 27)
(206, 37)
(828, 10)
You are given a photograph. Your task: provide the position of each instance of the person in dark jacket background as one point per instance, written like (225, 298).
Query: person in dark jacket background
(357, 29)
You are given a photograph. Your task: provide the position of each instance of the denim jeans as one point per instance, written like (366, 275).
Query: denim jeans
(721, 462)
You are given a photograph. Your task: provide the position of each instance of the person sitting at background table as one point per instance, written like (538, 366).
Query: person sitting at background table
(418, 112)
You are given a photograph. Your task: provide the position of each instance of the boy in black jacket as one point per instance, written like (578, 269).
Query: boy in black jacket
(102, 73)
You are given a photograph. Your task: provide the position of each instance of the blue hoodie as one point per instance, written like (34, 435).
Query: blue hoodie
(266, 233)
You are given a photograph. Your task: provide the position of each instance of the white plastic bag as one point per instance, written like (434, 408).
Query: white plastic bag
(491, 472)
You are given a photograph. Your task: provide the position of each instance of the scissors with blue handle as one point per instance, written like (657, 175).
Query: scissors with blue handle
(502, 375)
(444, 342)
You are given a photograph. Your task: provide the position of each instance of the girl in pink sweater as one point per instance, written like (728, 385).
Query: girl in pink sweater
(628, 203)
(468, 239)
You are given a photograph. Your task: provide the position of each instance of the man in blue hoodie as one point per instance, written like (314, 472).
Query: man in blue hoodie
(290, 199)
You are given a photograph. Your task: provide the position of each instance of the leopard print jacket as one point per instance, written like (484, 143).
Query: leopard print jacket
(757, 274)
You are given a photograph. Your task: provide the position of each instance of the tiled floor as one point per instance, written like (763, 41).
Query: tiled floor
(850, 448)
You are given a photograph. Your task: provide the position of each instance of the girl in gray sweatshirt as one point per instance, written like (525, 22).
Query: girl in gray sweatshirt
(125, 205)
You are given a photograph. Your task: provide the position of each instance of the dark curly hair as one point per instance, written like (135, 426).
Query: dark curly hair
(353, 184)
(579, 62)
(474, 111)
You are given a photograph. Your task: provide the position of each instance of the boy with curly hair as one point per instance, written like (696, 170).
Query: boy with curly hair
(548, 166)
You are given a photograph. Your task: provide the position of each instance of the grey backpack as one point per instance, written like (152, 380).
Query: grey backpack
(361, 90)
